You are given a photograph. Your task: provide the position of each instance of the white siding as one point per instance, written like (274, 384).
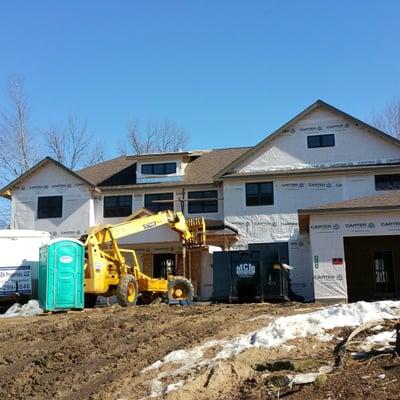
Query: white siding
(52, 181)
(353, 145)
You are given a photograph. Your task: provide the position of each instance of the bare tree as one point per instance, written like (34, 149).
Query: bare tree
(18, 149)
(156, 137)
(389, 120)
(72, 145)
(96, 154)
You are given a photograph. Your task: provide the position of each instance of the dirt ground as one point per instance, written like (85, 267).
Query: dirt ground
(99, 354)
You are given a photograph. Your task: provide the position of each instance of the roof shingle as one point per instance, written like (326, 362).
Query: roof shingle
(203, 169)
(100, 172)
(199, 171)
(384, 200)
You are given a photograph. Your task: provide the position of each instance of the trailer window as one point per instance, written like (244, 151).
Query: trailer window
(49, 207)
(117, 206)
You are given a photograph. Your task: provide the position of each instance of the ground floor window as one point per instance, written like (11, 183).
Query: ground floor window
(202, 202)
(49, 207)
(387, 182)
(259, 194)
(117, 206)
(159, 201)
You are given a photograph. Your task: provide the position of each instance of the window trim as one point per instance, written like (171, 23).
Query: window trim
(117, 196)
(258, 184)
(321, 145)
(160, 204)
(43, 197)
(154, 165)
(192, 201)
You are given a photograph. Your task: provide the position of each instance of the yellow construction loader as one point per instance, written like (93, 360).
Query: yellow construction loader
(109, 272)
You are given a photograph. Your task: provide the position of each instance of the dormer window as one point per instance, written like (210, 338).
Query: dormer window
(315, 141)
(159, 169)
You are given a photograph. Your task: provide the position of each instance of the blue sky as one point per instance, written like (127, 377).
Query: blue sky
(229, 72)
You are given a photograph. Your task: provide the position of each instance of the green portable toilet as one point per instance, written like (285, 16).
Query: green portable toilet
(61, 275)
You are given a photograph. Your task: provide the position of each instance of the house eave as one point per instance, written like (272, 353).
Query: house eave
(310, 171)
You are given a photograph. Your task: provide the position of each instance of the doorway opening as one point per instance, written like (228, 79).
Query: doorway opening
(164, 264)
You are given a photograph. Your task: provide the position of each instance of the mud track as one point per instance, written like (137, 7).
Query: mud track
(99, 353)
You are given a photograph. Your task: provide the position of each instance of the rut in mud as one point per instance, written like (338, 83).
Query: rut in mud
(99, 353)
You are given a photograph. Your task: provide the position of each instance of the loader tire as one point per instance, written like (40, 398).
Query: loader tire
(180, 288)
(90, 300)
(127, 291)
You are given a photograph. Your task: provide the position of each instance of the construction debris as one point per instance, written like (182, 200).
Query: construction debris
(30, 309)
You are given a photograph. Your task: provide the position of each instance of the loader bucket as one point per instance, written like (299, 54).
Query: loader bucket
(197, 228)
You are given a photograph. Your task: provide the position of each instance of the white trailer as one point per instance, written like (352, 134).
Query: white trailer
(19, 262)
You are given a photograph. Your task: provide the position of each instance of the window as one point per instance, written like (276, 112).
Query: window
(384, 275)
(387, 182)
(159, 169)
(159, 201)
(49, 207)
(205, 204)
(117, 206)
(320, 141)
(259, 194)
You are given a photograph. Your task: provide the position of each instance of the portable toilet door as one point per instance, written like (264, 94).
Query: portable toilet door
(61, 282)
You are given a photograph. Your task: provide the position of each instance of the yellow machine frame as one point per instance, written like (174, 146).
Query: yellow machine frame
(105, 262)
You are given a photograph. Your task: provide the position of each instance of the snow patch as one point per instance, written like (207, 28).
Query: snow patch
(282, 329)
(380, 341)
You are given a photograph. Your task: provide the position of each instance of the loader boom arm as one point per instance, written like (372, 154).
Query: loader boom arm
(191, 231)
(106, 263)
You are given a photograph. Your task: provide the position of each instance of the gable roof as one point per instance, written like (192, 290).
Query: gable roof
(5, 191)
(312, 107)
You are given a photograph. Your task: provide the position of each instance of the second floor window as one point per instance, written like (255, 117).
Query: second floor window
(202, 202)
(159, 169)
(314, 141)
(260, 194)
(117, 206)
(49, 207)
(387, 182)
(159, 201)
